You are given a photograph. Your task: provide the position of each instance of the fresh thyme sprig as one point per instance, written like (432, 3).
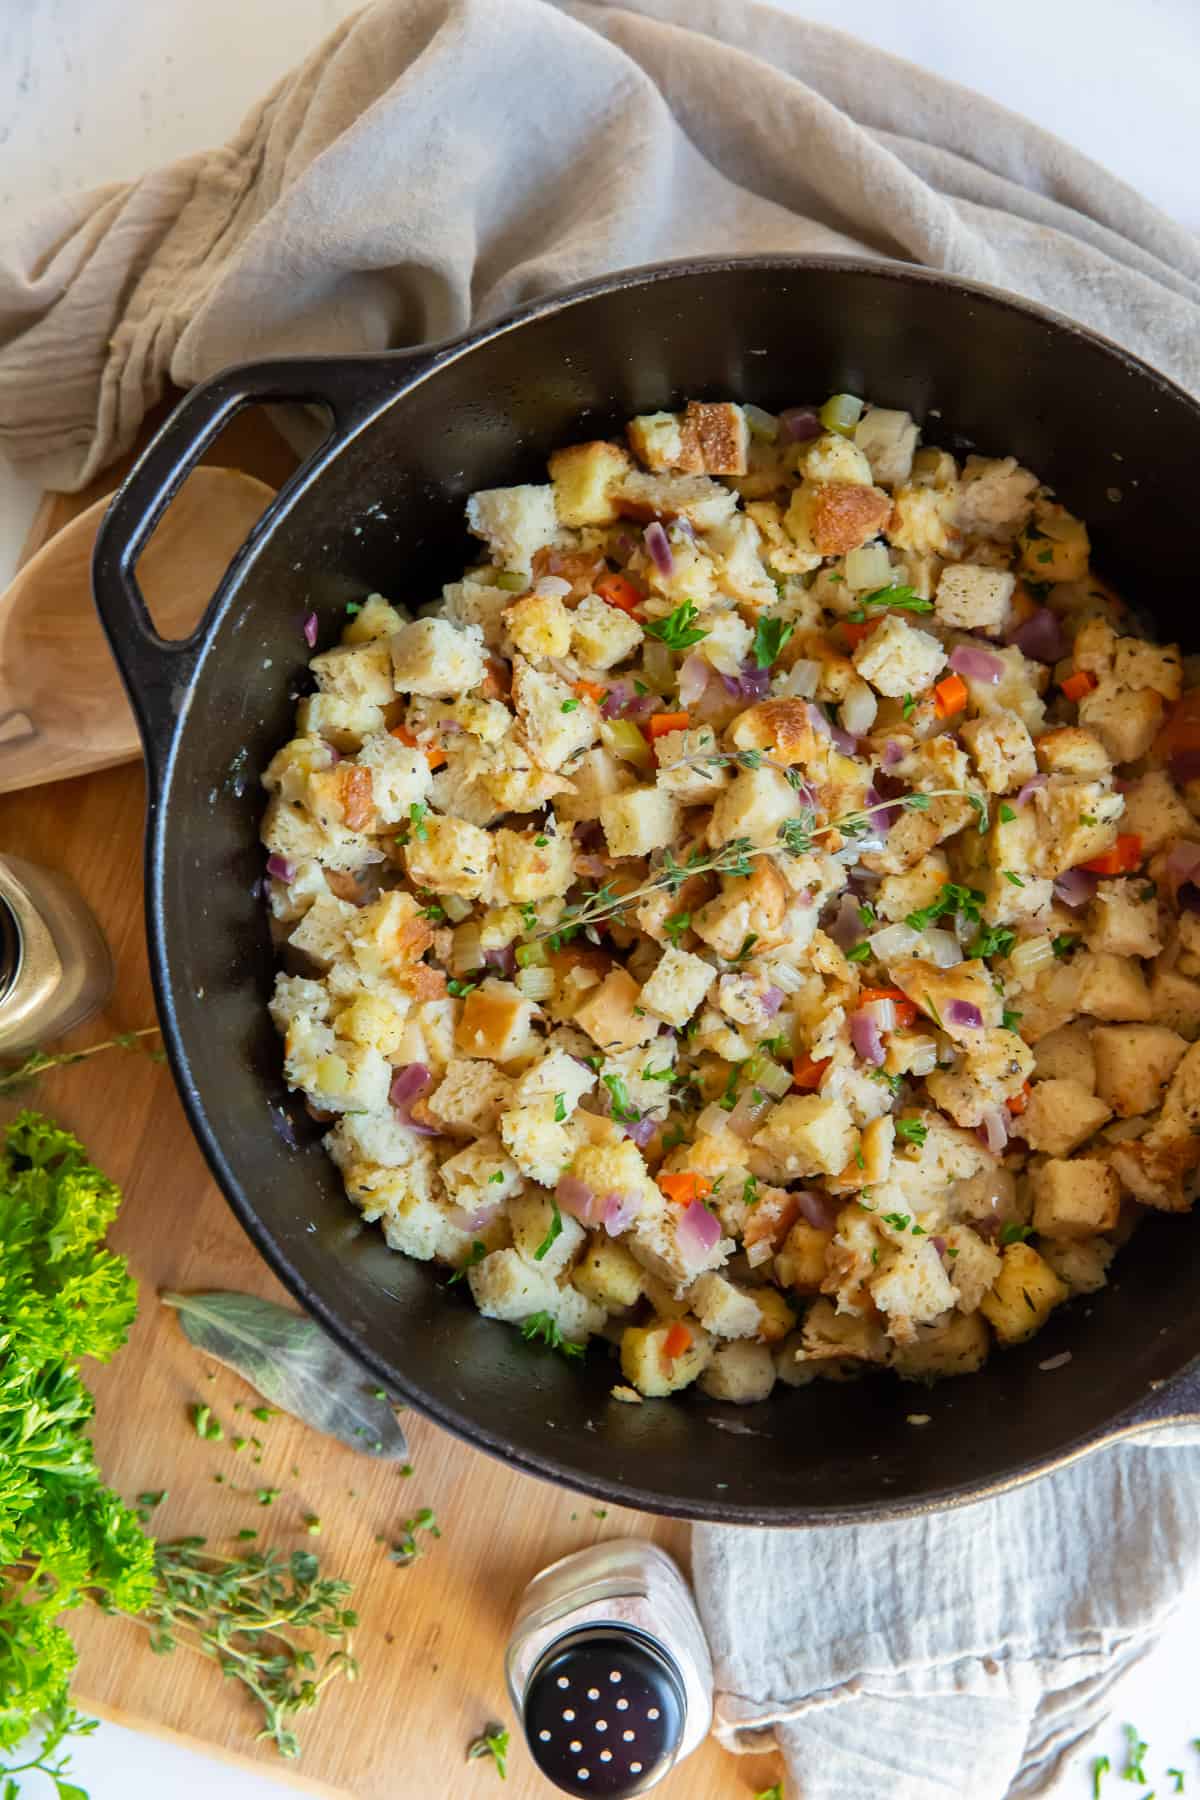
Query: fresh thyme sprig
(38, 1062)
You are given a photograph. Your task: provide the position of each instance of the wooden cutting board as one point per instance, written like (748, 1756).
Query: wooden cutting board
(432, 1636)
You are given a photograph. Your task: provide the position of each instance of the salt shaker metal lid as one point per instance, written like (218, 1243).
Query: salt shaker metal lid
(609, 1671)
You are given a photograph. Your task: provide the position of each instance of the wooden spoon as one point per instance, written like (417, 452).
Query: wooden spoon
(63, 709)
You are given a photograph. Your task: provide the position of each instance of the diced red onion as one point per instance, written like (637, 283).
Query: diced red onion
(799, 423)
(748, 1113)
(694, 675)
(940, 1244)
(1031, 786)
(866, 1037)
(476, 1218)
(335, 755)
(641, 1131)
(1181, 866)
(616, 700)
(659, 546)
(310, 630)
(620, 1210)
(818, 1210)
(578, 1199)
(847, 744)
(771, 1001)
(280, 868)
(883, 816)
(1041, 637)
(976, 664)
(893, 753)
(504, 959)
(1184, 766)
(818, 721)
(964, 1013)
(408, 1084)
(697, 1232)
(995, 1129)
(1076, 887)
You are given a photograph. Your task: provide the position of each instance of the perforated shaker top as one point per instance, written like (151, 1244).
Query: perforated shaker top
(604, 1711)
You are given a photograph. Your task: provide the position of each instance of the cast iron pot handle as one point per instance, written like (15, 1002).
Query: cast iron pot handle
(156, 670)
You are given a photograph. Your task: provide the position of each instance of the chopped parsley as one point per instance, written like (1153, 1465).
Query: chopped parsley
(560, 1109)
(1011, 875)
(475, 1254)
(1015, 1234)
(352, 607)
(492, 1741)
(909, 706)
(897, 1220)
(416, 821)
(541, 1328)
(677, 631)
(750, 1193)
(994, 940)
(667, 1074)
(569, 706)
(205, 1425)
(867, 915)
(539, 843)
(1007, 815)
(623, 1109)
(494, 1180)
(553, 1233)
(912, 1131)
(748, 943)
(932, 1010)
(460, 989)
(728, 1099)
(858, 952)
(1064, 943)
(900, 598)
(770, 636)
(1010, 1018)
(1135, 1752)
(952, 899)
(676, 925)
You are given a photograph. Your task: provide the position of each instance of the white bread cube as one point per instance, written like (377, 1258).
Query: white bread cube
(696, 498)
(506, 1286)
(531, 1217)
(677, 986)
(437, 658)
(375, 1139)
(647, 1367)
(595, 776)
(321, 935)
(290, 831)
(1025, 1293)
(1074, 1199)
(372, 1020)
(576, 1316)
(1003, 751)
(583, 476)
(537, 1143)
(1140, 664)
(608, 1275)
(898, 659)
(1070, 750)
(657, 440)
(973, 598)
(514, 522)
(388, 934)
(1081, 1262)
(1155, 811)
(295, 995)
(921, 520)
(912, 1288)
(637, 822)
(539, 625)
(1112, 988)
(337, 1076)
(470, 1097)
(1061, 1115)
(602, 635)
(292, 767)
(531, 865)
(343, 723)
(1067, 1055)
(469, 1176)
(375, 618)
(956, 1346)
(497, 1021)
(828, 1333)
(888, 439)
(754, 903)
(361, 673)
(1123, 919)
(690, 767)
(725, 1310)
(558, 725)
(754, 805)
(971, 1264)
(477, 603)
(400, 777)
(995, 497)
(727, 642)
(614, 1014)
(898, 895)
(741, 1373)
(1175, 1001)
(1126, 720)
(558, 1074)
(451, 858)
(801, 1264)
(416, 1224)
(1133, 1064)
(808, 1135)
(654, 1242)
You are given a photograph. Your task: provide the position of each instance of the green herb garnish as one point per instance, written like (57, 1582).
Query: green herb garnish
(554, 1232)
(770, 635)
(540, 1328)
(677, 631)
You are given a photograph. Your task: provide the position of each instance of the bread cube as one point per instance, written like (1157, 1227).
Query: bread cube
(911, 1288)
(1140, 664)
(1133, 1064)
(1175, 1001)
(957, 1345)
(826, 1332)
(723, 1309)
(1003, 751)
(451, 857)
(477, 603)
(747, 903)
(400, 777)
(1066, 1055)
(801, 1264)
(898, 895)
(690, 766)
(321, 935)
(971, 1264)
(1060, 1116)
(539, 625)
(1123, 919)
(375, 618)
(583, 475)
(506, 1286)
(775, 1317)
(436, 657)
(514, 523)
(371, 1020)
(336, 1075)
(531, 1217)
(922, 520)
(754, 805)
(1054, 545)
(807, 1135)
(646, 1365)
(888, 439)
(557, 724)
(715, 438)
(497, 1021)
(1155, 811)
(1070, 750)
(696, 498)
(1025, 1293)
(358, 673)
(1126, 720)
(1081, 1262)
(614, 1015)
(470, 1097)
(741, 1373)
(995, 497)
(470, 1175)
(531, 865)
(540, 1146)
(657, 440)
(637, 822)
(1074, 1199)
(602, 635)
(343, 723)
(974, 598)
(677, 986)
(1112, 987)
(608, 1275)
(898, 659)
(295, 995)
(374, 1139)
(288, 830)
(617, 1168)
(414, 1223)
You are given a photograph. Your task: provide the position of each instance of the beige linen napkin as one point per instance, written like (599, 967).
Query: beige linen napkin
(435, 162)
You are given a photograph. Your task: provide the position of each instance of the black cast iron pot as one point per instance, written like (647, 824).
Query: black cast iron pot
(380, 505)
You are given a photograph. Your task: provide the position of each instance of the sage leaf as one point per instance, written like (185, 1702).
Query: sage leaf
(292, 1363)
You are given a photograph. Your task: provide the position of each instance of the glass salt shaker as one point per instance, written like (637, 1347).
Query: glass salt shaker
(55, 967)
(609, 1670)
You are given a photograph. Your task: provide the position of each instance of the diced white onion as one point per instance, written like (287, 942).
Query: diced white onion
(1032, 954)
(455, 908)
(759, 1252)
(859, 708)
(774, 1079)
(922, 1056)
(893, 941)
(868, 567)
(712, 1121)
(801, 680)
(466, 952)
(536, 983)
(783, 975)
(940, 947)
(884, 1014)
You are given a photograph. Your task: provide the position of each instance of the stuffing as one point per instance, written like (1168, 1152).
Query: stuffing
(754, 805)
(1067, 1055)
(608, 1275)
(1003, 751)
(955, 1346)
(832, 517)
(807, 1135)
(898, 659)
(1069, 750)
(678, 985)
(477, 603)
(1133, 1063)
(1156, 813)
(1023, 1296)
(470, 1175)
(1061, 1115)
(639, 821)
(360, 674)
(531, 865)
(922, 520)
(557, 724)
(1125, 721)
(1074, 1199)
(992, 1069)
(437, 657)
(690, 767)
(1123, 918)
(532, 1218)
(723, 1309)
(741, 1373)
(912, 1289)
(470, 1097)
(974, 598)
(497, 1021)
(342, 723)
(450, 857)
(614, 1015)
(602, 635)
(696, 498)
(888, 440)
(539, 625)
(651, 1363)
(514, 522)
(972, 1263)
(583, 477)
(995, 497)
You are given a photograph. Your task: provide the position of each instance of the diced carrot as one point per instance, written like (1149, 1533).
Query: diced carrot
(1019, 1102)
(855, 630)
(1181, 731)
(1076, 685)
(619, 593)
(661, 723)
(677, 1340)
(685, 1187)
(591, 690)
(950, 696)
(434, 755)
(806, 1073)
(906, 1012)
(1125, 855)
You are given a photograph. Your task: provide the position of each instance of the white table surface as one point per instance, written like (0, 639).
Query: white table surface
(98, 90)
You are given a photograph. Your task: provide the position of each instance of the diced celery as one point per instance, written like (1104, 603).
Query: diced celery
(512, 581)
(841, 413)
(531, 956)
(623, 738)
(762, 424)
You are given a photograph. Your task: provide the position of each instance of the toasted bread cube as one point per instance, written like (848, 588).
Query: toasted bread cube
(724, 1309)
(607, 1274)
(414, 1223)
(956, 1346)
(801, 1264)
(754, 806)
(614, 1015)
(1060, 1116)
(1140, 664)
(646, 1365)
(888, 439)
(912, 1288)
(537, 1143)
(690, 767)
(995, 497)
(1003, 750)
(1133, 1064)
(1112, 988)
(715, 438)
(295, 995)
(436, 657)
(1175, 1001)
(400, 777)
(921, 520)
(1081, 1262)
(451, 857)
(583, 475)
(1123, 919)
(775, 1317)
(741, 1373)
(826, 1332)
(497, 1022)
(514, 522)
(677, 986)
(288, 830)
(506, 1286)
(531, 1216)
(557, 724)
(1054, 547)
(375, 618)
(371, 1020)
(321, 935)
(696, 498)
(1070, 750)
(343, 723)
(898, 659)
(657, 440)
(832, 517)
(1066, 1055)
(750, 903)
(531, 865)
(469, 1176)
(539, 625)
(1074, 1199)
(1126, 720)
(359, 673)
(1026, 1292)
(337, 1075)
(477, 603)
(971, 1264)
(974, 598)
(470, 1097)
(602, 635)
(642, 820)
(808, 1135)
(1155, 812)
